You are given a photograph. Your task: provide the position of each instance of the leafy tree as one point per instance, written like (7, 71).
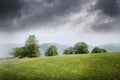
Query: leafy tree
(104, 50)
(18, 52)
(98, 50)
(51, 51)
(68, 51)
(31, 40)
(81, 48)
(31, 48)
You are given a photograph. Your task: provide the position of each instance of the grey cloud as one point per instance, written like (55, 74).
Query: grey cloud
(10, 8)
(45, 11)
(105, 27)
(109, 19)
(109, 7)
(33, 12)
(106, 24)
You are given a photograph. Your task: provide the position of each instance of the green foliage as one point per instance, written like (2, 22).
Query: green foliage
(104, 50)
(31, 49)
(98, 50)
(75, 67)
(81, 48)
(68, 51)
(51, 51)
(31, 40)
(18, 52)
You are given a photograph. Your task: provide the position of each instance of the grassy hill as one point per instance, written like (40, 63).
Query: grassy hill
(72, 67)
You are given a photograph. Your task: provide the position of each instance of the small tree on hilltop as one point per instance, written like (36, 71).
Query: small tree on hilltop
(68, 51)
(104, 50)
(18, 52)
(81, 48)
(31, 48)
(98, 50)
(51, 51)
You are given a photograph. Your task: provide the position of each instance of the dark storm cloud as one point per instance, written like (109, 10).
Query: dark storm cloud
(10, 8)
(106, 27)
(21, 14)
(109, 7)
(109, 19)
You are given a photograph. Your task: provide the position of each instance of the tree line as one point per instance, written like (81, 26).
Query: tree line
(31, 49)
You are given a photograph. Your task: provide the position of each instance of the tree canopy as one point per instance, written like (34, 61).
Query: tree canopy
(81, 48)
(51, 51)
(68, 51)
(98, 50)
(31, 48)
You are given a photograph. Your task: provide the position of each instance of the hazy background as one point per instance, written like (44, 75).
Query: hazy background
(62, 22)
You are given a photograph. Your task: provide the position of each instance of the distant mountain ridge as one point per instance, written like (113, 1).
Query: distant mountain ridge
(45, 46)
(6, 48)
(115, 47)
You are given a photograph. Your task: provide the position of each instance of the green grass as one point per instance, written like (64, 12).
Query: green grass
(72, 67)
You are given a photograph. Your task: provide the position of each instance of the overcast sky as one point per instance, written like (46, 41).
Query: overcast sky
(62, 21)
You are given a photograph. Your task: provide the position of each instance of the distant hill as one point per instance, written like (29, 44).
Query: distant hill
(45, 46)
(6, 48)
(115, 47)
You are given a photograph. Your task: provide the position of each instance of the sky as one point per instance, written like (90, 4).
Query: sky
(61, 21)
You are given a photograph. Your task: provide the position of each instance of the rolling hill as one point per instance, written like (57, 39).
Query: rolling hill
(72, 67)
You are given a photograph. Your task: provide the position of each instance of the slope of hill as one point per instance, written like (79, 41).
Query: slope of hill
(72, 67)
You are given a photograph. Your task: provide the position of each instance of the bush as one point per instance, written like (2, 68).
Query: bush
(98, 50)
(81, 48)
(51, 51)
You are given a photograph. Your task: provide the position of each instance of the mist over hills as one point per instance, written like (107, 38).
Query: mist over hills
(45, 46)
(6, 48)
(112, 47)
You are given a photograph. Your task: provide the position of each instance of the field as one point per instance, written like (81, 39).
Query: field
(67, 67)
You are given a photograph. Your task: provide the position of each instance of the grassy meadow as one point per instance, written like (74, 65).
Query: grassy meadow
(68, 67)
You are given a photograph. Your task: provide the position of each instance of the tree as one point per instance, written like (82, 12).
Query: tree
(81, 48)
(68, 51)
(51, 51)
(31, 48)
(98, 50)
(104, 50)
(18, 52)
